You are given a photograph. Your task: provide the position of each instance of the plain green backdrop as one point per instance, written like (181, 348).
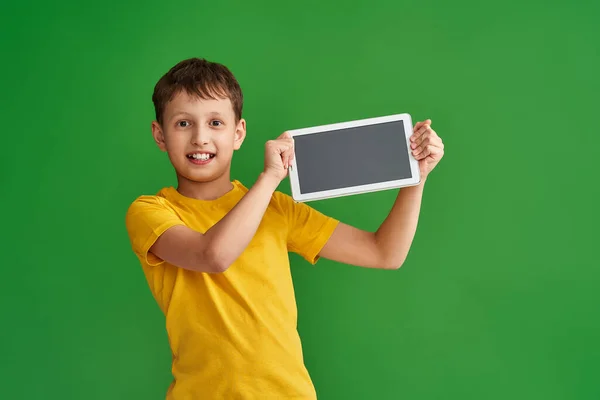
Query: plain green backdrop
(499, 297)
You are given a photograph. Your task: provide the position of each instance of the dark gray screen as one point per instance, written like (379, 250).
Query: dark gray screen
(351, 157)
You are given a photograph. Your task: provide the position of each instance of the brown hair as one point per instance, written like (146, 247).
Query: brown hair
(199, 77)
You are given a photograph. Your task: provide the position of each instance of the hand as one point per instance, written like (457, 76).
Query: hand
(279, 154)
(427, 147)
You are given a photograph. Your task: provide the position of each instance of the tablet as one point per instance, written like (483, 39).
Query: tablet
(353, 157)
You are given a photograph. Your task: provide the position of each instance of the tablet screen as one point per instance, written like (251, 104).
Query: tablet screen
(352, 157)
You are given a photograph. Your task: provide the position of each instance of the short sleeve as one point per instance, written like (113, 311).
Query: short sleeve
(147, 218)
(308, 229)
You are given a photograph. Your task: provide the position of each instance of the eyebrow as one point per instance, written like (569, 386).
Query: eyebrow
(180, 113)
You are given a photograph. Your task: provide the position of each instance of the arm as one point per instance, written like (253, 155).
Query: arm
(215, 250)
(388, 247)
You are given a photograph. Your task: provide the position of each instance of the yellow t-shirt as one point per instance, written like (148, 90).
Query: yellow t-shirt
(233, 335)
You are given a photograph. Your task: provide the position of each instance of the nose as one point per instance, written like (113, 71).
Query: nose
(200, 136)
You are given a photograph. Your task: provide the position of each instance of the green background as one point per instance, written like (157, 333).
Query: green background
(499, 297)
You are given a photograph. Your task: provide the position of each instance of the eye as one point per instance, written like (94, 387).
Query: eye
(215, 122)
(182, 124)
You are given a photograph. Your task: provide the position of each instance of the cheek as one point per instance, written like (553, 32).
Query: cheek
(174, 141)
(226, 144)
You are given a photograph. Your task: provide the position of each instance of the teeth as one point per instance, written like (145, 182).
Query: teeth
(203, 156)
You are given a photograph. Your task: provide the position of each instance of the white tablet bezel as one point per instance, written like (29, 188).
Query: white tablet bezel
(352, 190)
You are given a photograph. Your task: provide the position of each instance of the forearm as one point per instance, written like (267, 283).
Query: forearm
(395, 235)
(228, 238)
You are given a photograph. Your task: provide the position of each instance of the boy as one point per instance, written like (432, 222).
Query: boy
(215, 253)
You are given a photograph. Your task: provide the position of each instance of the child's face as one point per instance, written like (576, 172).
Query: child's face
(199, 136)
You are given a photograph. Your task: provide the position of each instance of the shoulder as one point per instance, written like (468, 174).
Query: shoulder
(147, 202)
(147, 217)
(297, 212)
(284, 204)
(281, 199)
(149, 210)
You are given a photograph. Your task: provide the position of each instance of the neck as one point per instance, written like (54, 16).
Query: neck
(211, 190)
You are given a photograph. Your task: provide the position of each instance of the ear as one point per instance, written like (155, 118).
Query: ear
(158, 135)
(240, 134)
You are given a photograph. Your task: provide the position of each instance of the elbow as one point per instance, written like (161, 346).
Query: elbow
(391, 264)
(219, 267)
(212, 260)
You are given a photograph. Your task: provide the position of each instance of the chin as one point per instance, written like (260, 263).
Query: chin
(196, 177)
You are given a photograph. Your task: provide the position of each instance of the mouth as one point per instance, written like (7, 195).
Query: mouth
(200, 158)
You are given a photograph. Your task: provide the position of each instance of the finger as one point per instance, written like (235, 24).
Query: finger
(285, 161)
(418, 150)
(415, 130)
(287, 157)
(282, 145)
(292, 152)
(419, 132)
(287, 152)
(424, 139)
(428, 151)
(417, 126)
(422, 147)
(420, 124)
(289, 143)
(423, 153)
(427, 134)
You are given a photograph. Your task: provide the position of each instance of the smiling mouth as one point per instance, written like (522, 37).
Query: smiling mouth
(200, 156)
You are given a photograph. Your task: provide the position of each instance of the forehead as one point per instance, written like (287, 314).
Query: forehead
(183, 102)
